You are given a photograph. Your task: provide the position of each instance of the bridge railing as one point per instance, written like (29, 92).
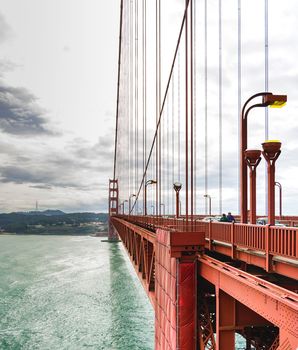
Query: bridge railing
(284, 241)
(250, 236)
(273, 240)
(220, 231)
(172, 223)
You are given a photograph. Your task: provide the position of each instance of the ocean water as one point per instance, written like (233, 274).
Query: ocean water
(62, 292)
(66, 292)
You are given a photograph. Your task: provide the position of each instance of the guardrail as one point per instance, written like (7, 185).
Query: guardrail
(273, 240)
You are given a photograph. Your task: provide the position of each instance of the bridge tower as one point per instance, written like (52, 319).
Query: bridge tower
(113, 207)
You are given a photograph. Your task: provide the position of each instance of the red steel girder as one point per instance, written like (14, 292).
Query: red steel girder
(278, 305)
(140, 245)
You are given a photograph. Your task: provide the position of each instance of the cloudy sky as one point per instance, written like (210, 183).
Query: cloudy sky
(58, 65)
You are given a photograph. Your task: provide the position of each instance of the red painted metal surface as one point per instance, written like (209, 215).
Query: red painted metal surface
(277, 305)
(282, 241)
(164, 262)
(140, 246)
(167, 251)
(166, 297)
(113, 206)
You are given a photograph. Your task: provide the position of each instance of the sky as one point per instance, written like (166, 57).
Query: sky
(58, 66)
(58, 80)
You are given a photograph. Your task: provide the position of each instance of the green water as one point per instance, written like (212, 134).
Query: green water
(70, 293)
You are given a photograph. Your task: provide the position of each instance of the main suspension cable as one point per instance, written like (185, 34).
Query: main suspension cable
(118, 87)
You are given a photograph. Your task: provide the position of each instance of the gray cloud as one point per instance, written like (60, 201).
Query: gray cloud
(104, 147)
(5, 30)
(7, 66)
(20, 113)
(48, 168)
(45, 178)
(42, 187)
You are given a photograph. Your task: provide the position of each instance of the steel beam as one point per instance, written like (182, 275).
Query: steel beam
(278, 305)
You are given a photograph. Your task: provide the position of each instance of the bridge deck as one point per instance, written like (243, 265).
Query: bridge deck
(272, 248)
(254, 299)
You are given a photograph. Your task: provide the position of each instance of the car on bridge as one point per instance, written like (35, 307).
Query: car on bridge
(264, 221)
(211, 219)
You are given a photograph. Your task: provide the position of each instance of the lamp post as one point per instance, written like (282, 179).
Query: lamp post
(268, 100)
(271, 151)
(278, 184)
(253, 158)
(177, 187)
(162, 211)
(152, 207)
(123, 206)
(148, 182)
(129, 204)
(209, 197)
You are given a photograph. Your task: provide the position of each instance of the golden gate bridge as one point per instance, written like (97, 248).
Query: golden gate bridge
(207, 280)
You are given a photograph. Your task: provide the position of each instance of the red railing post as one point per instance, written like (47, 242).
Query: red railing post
(267, 248)
(210, 235)
(233, 247)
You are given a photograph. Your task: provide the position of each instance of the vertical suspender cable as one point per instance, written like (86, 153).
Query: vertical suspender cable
(179, 120)
(266, 89)
(239, 92)
(144, 39)
(186, 113)
(130, 127)
(173, 145)
(136, 100)
(156, 102)
(162, 105)
(195, 104)
(159, 101)
(220, 102)
(266, 68)
(206, 109)
(118, 88)
(191, 116)
(167, 168)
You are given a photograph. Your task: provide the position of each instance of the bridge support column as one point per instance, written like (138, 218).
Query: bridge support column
(225, 321)
(113, 208)
(176, 289)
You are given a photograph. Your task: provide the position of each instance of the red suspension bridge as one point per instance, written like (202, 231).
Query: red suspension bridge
(207, 280)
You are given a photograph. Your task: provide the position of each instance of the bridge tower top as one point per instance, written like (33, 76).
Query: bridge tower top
(113, 197)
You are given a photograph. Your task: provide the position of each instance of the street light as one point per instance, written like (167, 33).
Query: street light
(164, 210)
(177, 187)
(148, 182)
(208, 196)
(268, 100)
(123, 206)
(132, 195)
(153, 209)
(271, 151)
(278, 184)
(253, 158)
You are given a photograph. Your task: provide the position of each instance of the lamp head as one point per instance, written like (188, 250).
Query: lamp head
(252, 156)
(151, 182)
(274, 101)
(177, 186)
(271, 147)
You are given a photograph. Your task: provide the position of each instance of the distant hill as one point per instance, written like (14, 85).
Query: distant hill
(21, 222)
(47, 212)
